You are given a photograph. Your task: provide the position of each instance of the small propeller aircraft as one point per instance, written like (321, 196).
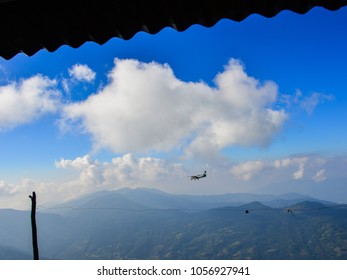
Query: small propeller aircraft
(197, 177)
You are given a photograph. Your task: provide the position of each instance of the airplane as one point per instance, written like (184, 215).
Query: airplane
(197, 177)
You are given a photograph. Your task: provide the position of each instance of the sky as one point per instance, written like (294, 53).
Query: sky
(255, 103)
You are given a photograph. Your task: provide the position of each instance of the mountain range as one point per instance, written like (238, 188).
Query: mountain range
(150, 224)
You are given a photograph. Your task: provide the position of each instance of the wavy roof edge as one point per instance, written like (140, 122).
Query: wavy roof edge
(32, 25)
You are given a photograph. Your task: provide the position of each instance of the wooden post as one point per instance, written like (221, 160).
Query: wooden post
(33, 226)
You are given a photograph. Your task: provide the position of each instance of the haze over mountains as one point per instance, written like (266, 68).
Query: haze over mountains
(334, 189)
(150, 224)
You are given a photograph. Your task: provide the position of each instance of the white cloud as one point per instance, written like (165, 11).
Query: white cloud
(298, 162)
(320, 175)
(248, 170)
(5, 189)
(82, 73)
(26, 101)
(308, 103)
(299, 174)
(16, 195)
(295, 167)
(124, 171)
(65, 85)
(90, 170)
(292, 161)
(145, 107)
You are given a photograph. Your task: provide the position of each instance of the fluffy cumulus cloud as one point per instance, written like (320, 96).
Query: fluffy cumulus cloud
(27, 100)
(82, 73)
(146, 108)
(124, 171)
(90, 169)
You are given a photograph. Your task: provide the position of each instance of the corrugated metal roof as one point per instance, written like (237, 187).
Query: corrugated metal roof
(30, 25)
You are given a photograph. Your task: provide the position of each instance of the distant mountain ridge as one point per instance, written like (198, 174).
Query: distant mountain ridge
(144, 198)
(150, 224)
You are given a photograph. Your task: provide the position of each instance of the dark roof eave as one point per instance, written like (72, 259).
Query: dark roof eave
(29, 26)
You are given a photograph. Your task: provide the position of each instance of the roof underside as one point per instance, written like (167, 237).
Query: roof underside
(31, 25)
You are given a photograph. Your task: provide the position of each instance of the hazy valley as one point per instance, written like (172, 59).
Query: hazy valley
(149, 224)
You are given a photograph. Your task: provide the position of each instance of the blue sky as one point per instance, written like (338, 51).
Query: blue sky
(253, 102)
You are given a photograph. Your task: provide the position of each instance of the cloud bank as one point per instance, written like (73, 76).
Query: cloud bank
(310, 167)
(126, 170)
(85, 174)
